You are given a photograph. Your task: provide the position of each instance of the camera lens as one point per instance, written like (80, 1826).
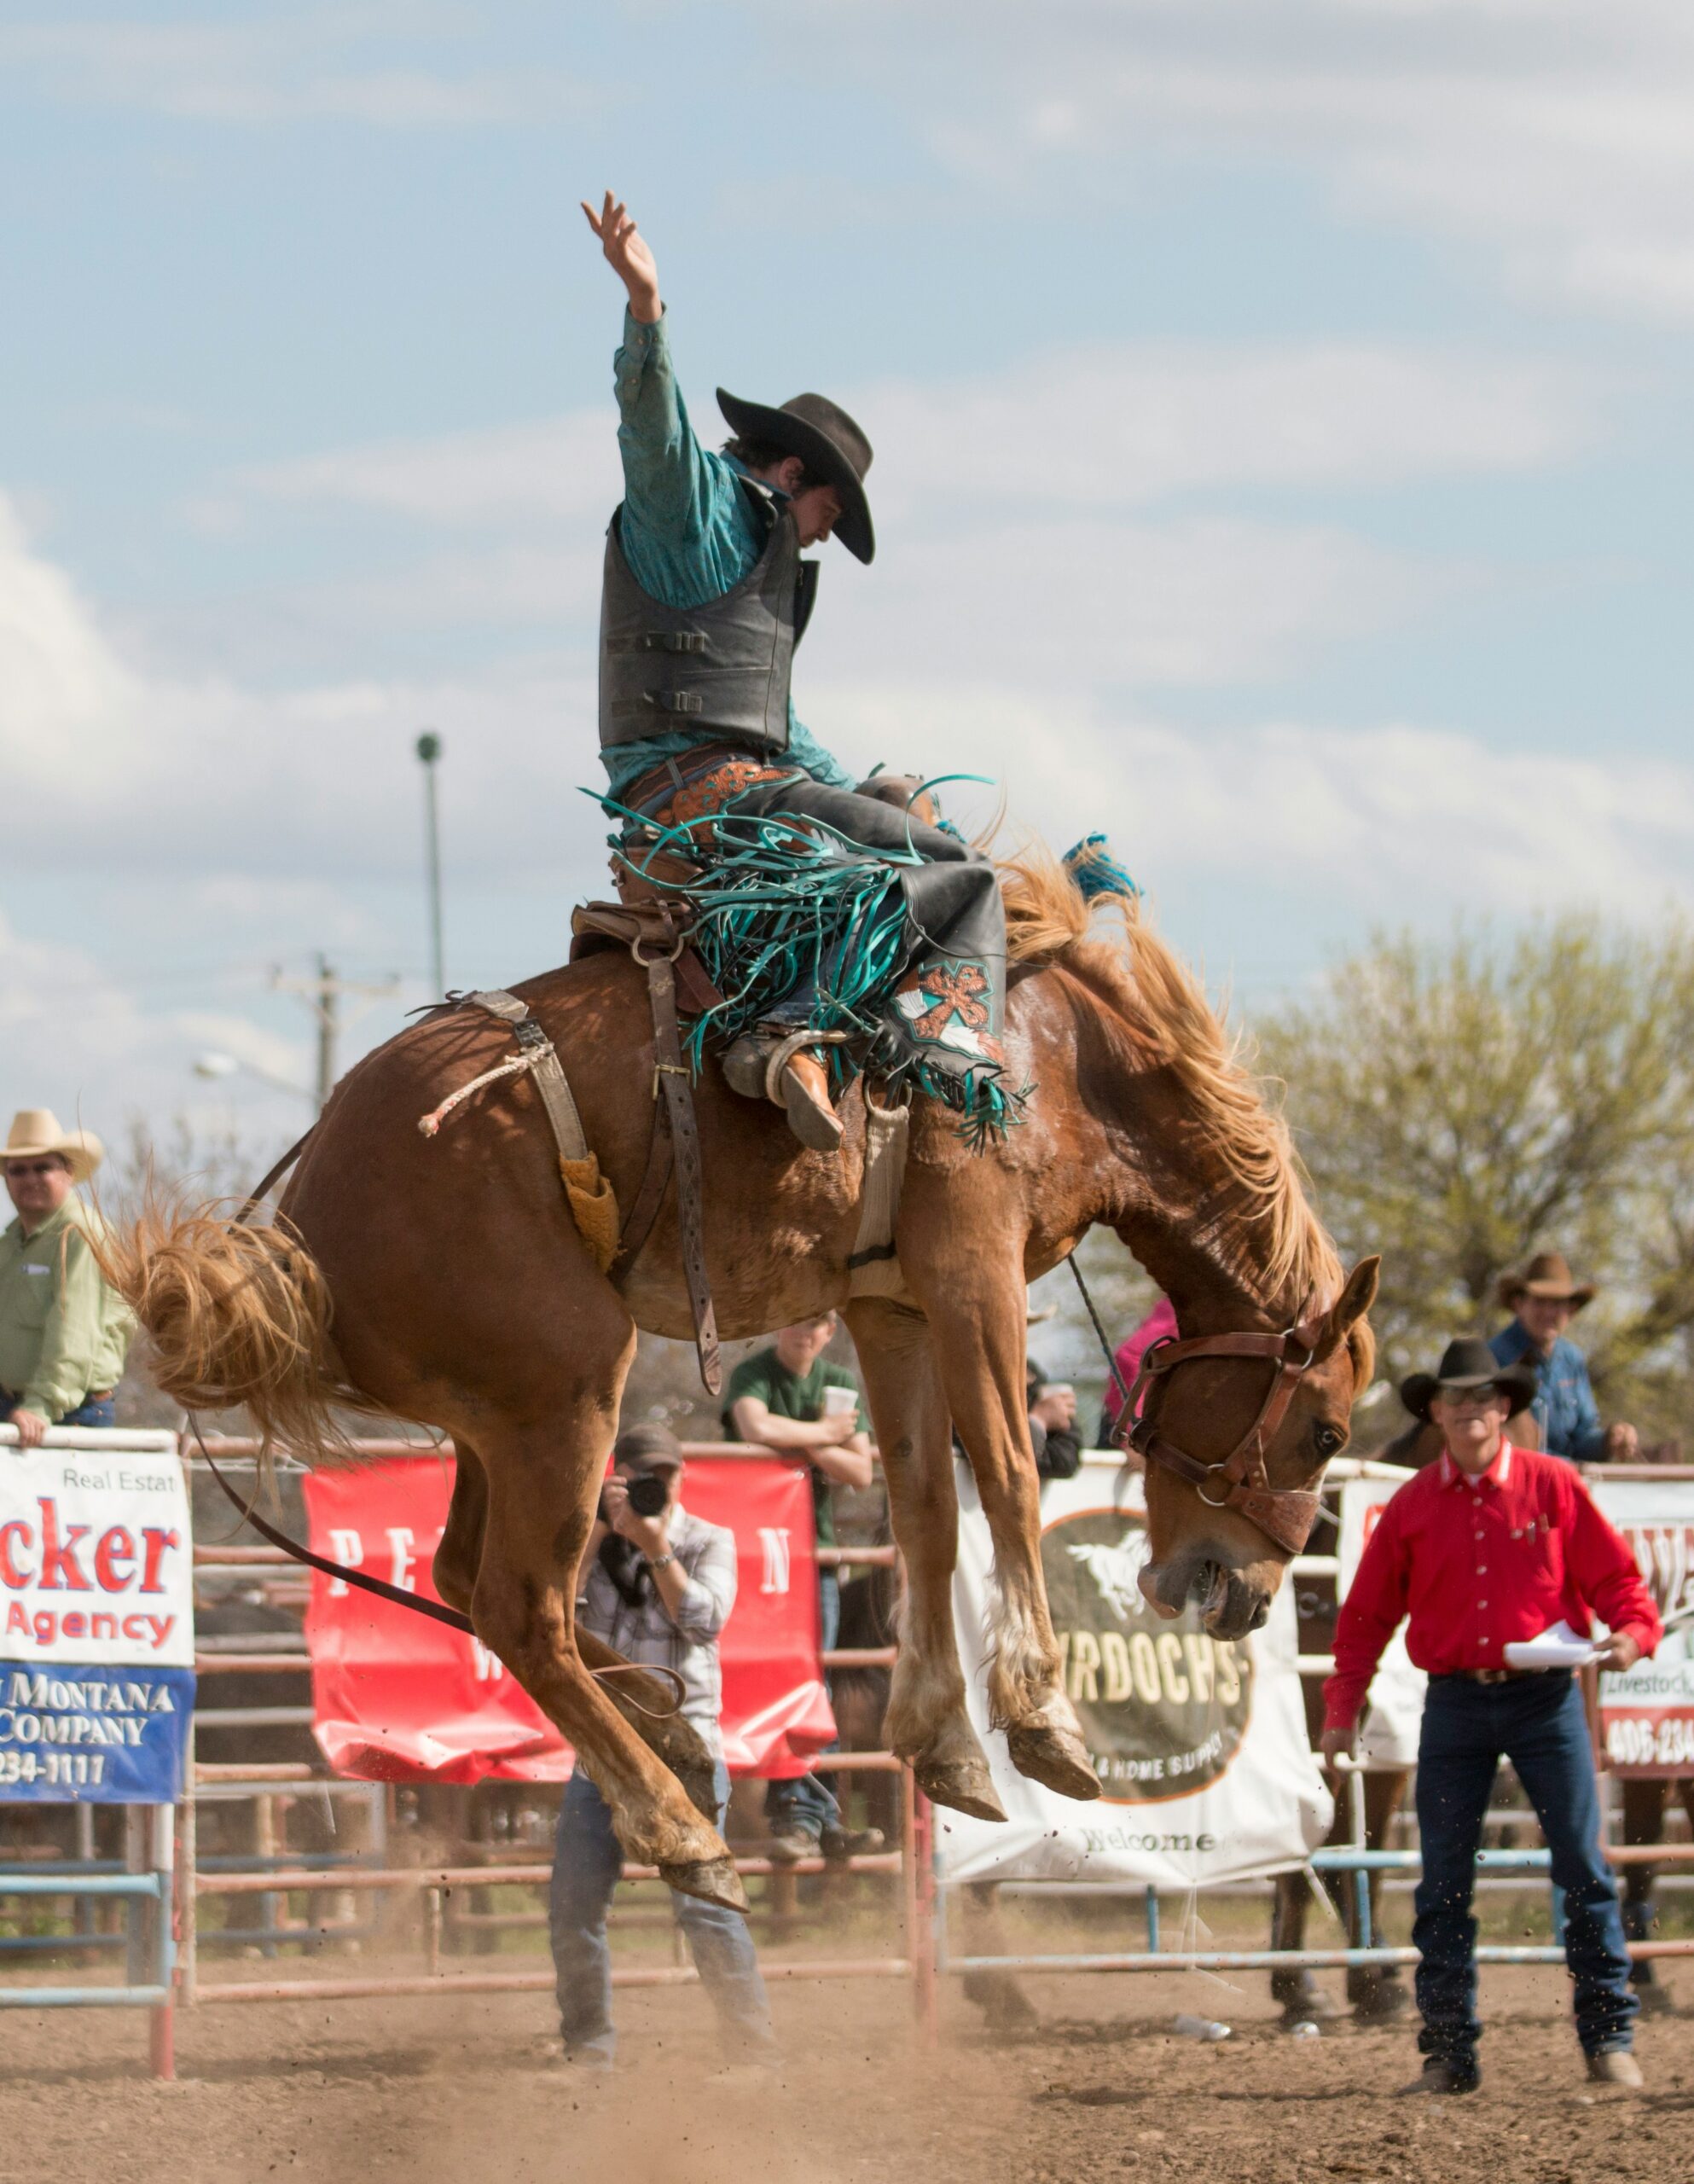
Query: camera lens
(648, 1495)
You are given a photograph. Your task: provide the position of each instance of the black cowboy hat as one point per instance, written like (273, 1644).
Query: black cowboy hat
(830, 445)
(1469, 1363)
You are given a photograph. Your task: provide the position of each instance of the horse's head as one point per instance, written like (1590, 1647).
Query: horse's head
(1231, 1439)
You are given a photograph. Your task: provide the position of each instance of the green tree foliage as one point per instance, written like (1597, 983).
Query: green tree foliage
(1462, 1104)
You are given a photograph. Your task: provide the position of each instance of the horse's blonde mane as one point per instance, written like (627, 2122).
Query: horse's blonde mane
(1142, 980)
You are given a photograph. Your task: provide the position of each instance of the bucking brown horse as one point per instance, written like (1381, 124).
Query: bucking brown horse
(444, 1280)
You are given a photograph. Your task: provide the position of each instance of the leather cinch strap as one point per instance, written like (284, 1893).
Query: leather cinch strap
(657, 938)
(670, 1071)
(542, 1060)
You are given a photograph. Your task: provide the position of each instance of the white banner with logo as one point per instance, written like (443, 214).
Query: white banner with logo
(1206, 1773)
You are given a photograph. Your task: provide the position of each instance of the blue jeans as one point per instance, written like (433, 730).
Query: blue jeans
(586, 1862)
(87, 1413)
(1539, 1724)
(804, 1805)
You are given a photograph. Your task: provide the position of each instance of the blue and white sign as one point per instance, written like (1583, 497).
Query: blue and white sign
(96, 1625)
(94, 1735)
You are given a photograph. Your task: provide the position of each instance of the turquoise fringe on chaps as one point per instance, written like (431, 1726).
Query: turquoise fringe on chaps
(860, 920)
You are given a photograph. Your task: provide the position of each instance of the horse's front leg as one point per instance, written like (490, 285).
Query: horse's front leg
(927, 1720)
(645, 1703)
(542, 1461)
(976, 1316)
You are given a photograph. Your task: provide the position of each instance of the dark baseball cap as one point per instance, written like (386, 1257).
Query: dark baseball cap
(640, 1449)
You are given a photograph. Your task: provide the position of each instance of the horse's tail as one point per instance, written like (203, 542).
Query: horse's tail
(237, 1315)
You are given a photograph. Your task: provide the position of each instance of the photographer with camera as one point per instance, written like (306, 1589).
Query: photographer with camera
(656, 1584)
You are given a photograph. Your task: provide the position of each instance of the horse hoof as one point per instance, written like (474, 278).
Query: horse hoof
(963, 1786)
(1057, 1759)
(714, 1880)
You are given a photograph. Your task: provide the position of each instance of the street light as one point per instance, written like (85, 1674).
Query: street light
(429, 753)
(218, 1067)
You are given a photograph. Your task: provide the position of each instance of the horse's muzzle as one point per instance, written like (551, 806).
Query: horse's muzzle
(1230, 1605)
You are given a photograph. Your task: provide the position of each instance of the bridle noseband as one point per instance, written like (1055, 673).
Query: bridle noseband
(1284, 1514)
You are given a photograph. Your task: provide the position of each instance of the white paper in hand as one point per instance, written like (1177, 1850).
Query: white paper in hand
(1559, 1647)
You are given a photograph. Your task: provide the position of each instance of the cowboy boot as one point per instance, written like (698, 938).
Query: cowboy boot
(767, 1065)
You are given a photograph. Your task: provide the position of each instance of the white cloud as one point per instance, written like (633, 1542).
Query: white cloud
(1153, 420)
(546, 471)
(1558, 135)
(280, 808)
(1398, 823)
(1080, 602)
(304, 65)
(1134, 422)
(88, 1044)
(140, 766)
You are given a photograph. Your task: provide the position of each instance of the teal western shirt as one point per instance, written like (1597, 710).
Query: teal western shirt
(689, 535)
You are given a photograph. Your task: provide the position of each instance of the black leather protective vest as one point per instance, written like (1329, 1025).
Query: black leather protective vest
(721, 669)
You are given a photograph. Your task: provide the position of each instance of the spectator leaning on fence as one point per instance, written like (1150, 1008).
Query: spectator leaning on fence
(1488, 1546)
(63, 1332)
(792, 1399)
(1544, 1299)
(658, 1590)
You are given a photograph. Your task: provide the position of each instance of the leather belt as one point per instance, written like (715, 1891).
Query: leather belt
(93, 1395)
(671, 775)
(1493, 1676)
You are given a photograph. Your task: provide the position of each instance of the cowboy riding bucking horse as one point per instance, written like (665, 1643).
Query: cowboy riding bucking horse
(821, 940)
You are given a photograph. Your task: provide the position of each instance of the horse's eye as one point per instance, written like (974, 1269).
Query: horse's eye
(1329, 1439)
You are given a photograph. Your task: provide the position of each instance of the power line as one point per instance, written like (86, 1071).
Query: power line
(323, 994)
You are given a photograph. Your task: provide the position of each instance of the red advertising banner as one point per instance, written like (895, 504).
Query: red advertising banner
(399, 1697)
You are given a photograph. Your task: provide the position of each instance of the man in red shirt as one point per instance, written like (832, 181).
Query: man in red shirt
(1486, 1548)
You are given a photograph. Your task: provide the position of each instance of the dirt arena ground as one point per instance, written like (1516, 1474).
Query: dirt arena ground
(470, 2091)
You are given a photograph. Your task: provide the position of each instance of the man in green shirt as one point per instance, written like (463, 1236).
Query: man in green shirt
(63, 1332)
(781, 1398)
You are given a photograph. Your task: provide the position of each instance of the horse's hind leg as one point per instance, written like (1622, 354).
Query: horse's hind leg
(976, 1316)
(645, 1703)
(926, 1721)
(543, 1480)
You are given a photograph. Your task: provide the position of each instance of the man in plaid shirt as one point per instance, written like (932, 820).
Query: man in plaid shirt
(659, 1588)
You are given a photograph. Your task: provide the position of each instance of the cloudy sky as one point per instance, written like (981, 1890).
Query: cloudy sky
(1281, 411)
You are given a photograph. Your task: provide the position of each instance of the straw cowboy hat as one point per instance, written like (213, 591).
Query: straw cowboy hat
(36, 1131)
(830, 445)
(1469, 1363)
(1548, 1274)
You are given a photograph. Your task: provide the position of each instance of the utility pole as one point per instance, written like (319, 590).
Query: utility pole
(429, 751)
(322, 995)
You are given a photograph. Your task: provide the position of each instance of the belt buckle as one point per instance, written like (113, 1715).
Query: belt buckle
(1492, 1676)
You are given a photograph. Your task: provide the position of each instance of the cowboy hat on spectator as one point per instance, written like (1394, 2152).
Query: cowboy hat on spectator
(35, 1132)
(1469, 1363)
(1548, 1274)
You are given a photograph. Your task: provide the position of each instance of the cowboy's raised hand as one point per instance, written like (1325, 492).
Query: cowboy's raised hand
(628, 255)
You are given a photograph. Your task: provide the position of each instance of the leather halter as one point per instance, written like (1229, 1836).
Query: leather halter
(1284, 1514)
